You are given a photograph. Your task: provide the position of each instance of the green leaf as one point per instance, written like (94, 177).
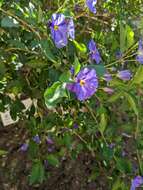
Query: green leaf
(115, 97)
(132, 102)
(107, 153)
(130, 36)
(3, 152)
(100, 69)
(1, 2)
(80, 46)
(15, 108)
(52, 159)
(103, 122)
(8, 22)
(46, 48)
(53, 75)
(138, 78)
(2, 70)
(67, 13)
(122, 38)
(54, 94)
(15, 87)
(65, 77)
(77, 66)
(37, 174)
(40, 14)
(119, 185)
(17, 44)
(126, 37)
(33, 148)
(123, 165)
(67, 140)
(36, 63)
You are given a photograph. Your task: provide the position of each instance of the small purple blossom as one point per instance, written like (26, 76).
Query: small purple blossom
(124, 153)
(124, 75)
(136, 182)
(36, 139)
(94, 53)
(91, 5)
(108, 90)
(107, 77)
(61, 29)
(118, 54)
(49, 141)
(85, 85)
(51, 149)
(71, 29)
(72, 70)
(75, 126)
(24, 147)
(112, 145)
(139, 57)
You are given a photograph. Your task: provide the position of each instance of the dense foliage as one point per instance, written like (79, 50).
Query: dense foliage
(87, 82)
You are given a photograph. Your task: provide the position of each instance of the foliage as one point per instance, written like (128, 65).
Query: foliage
(32, 66)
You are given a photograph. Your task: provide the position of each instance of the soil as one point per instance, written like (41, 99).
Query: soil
(15, 167)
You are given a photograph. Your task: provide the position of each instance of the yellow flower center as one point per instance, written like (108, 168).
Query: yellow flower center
(82, 82)
(56, 27)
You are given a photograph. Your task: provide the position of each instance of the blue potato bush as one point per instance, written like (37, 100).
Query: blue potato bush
(82, 62)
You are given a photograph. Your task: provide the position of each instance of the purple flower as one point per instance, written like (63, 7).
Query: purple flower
(118, 54)
(108, 90)
(85, 85)
(36, 139)
(49, 141)
(136, 182)
(75, 126)
(91, 5)
(124, 153)
(72, 70)
(124, 75)
(24, 147)
(139, 57)
(94, 53)
(112, 145)
(71, 29)
(107, 77)
(61, 29)
(51, 149)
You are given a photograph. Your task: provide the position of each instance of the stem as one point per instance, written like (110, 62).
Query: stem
(134, 46)
(80, 138)
(90, 110)
(120, 60)
(19, 49)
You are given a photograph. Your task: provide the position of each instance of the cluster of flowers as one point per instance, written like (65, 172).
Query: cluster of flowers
(86, 81)
(36, 139)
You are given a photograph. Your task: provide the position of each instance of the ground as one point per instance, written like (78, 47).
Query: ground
(15, 167)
